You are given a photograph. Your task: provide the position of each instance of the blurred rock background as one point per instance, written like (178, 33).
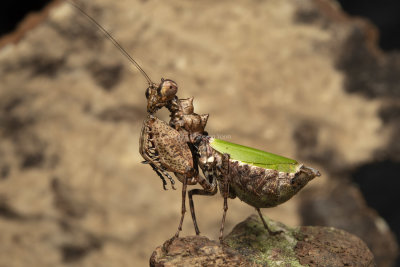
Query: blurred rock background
(297, 78)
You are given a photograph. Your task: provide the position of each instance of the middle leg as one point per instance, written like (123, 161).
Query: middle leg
(225, 193)
(198, 192)
(183, 209)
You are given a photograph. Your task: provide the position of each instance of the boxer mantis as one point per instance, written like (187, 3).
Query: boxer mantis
(182, 146)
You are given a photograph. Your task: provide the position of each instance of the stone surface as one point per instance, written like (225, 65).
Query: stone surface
(72, 189)
(341, 205)
(322, 246)
(196, 251)
(249, 244)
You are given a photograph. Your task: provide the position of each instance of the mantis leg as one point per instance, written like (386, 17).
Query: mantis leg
(265, 224)
(209, 189)
(170, 179)
(183, 209)
(159, 175)
(225, 193)
(198, 192)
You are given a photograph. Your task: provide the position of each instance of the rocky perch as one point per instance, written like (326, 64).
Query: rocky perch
(250, 245)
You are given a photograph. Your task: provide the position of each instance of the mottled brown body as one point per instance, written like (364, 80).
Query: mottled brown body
(169, 148)
(182, 146)
(184, 120)
(164, 147)
(265, 188)
(259, 187)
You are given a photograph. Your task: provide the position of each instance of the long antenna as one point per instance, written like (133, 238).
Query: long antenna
(109, 36)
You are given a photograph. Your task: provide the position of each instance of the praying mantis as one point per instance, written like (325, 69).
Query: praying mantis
(183, 147)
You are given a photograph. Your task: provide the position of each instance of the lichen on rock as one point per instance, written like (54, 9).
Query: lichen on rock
(249, 244)
(251, 239)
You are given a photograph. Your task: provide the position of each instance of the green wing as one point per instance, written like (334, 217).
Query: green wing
(254, 156)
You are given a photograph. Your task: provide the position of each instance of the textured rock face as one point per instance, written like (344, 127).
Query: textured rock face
(249, 244)
(72, 189)
(331, 247)
(335, 207)
(196, 251)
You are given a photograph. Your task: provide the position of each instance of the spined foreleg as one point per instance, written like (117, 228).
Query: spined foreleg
(160, 175)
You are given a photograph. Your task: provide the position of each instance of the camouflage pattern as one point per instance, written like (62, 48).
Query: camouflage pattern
(163, 146)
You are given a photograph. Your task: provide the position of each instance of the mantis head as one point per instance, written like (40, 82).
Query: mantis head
(159, 96)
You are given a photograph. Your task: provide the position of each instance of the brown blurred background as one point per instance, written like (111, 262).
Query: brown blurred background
(297, 78)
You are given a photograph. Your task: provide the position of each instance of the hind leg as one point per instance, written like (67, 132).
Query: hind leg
(266, 225)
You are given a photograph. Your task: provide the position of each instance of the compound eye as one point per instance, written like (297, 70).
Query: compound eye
(147, 93)
(168, 89)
